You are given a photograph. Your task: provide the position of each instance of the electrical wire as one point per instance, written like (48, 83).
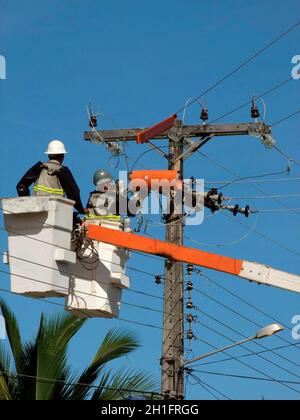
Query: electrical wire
(280, 151)
(246, 318)
(213, 395)
(50, 380)
(283, 83)
(285, 118)
(242, 65)
(143, 324)
(263, 235)
(249, 355)
(243, 316)
(244, 178)
(248, 182)
(243, 336)
(82, 293)
(229, 243)
(261, 197)
(244, 363)
(277, 210)
(246, 377)
(200, 382)
(255, 181)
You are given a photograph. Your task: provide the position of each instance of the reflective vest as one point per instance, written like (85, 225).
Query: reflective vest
(48, 182)
(103, 206)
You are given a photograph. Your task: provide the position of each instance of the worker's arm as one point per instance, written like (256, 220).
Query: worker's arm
(70, 188)
(28, 179)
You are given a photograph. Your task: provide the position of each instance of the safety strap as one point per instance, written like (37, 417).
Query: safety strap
(51, 172)
(56, 191)
(109, 217)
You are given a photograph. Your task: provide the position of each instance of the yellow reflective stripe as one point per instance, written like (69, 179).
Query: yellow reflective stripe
(112, 217)
(57, 191)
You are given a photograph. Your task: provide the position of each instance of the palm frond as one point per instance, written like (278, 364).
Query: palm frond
(13, 332)
(124, 383)
(5, 380)
(54, 336)
(115, 345)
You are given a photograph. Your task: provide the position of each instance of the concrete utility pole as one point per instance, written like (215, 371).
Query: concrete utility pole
(173, 323)
(173, 327)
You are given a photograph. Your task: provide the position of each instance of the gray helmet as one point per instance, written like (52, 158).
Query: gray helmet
(101, 174)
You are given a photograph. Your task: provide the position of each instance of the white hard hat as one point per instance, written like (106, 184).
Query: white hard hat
(56, 147)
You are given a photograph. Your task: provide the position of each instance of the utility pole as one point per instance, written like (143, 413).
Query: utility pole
(173, 322)
(173, 326)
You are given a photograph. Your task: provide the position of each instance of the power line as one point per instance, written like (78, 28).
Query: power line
(271, 317)
(263, 197)
(250, 355)
(85, 315)
(242, 65)
(60, 381)
(58, 246)
(242, 335)
(205, 388)
(246, 377)
(281, 152)
(248, 182)
(246, 318)
(263, 235)
(69, 273)
(84, 293)
(283, 83)
(253, 182)
(286, 171)
(285, 118)
(278, 210)
(244, 363)
(201, 383)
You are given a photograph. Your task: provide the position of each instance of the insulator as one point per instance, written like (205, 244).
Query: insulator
(190, 335)
(220, 198)
(190, 318)
(158, 279)
(93, 121)
(189, 305)
(204, 115)
(190, 269)
(254, 110)
(247, 211)
(236, 209)
(190, 286)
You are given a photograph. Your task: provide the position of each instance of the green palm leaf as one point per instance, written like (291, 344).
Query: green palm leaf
(39, 369)
(13, 332)
(5, 380)
(115, 345)
(123, 383)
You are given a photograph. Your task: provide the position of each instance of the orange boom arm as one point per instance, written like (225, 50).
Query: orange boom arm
(255, 272)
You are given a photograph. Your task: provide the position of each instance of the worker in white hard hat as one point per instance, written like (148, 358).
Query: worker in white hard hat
(52, 178)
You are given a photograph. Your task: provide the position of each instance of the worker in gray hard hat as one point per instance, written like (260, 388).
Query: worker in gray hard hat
(52, 178)
(103, 203)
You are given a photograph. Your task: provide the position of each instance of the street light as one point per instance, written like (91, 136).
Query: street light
(266, 332)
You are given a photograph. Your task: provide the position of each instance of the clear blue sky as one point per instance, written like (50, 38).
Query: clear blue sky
(139, 62)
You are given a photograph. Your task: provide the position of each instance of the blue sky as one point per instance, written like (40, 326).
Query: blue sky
(138, 62)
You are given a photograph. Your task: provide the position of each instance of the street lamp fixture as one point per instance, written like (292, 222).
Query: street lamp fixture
(266, 332)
